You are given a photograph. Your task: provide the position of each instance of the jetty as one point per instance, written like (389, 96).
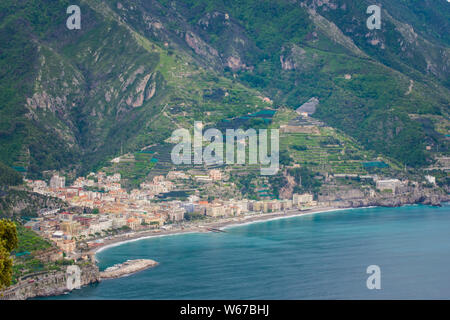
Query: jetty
(215, 230)
(127, 268)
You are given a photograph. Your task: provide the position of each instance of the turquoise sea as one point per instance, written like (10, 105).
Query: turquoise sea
(320, 256)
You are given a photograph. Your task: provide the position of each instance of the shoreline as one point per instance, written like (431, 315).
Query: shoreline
(225, 223)
(93, 272)
(221, 224)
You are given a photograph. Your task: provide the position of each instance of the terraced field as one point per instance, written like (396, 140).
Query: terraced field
(307, 141)
(324, 149)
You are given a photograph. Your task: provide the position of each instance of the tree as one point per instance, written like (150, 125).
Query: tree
(8, 242)
(9, 177)
(285, 158)
(305, 180)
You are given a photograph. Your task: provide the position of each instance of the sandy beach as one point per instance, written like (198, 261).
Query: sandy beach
(201, 227)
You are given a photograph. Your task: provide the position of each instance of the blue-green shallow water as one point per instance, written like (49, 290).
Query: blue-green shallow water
(321, 256)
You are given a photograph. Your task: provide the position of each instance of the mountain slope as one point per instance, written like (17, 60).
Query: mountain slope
(295, 50)
(85, 94)
(138, 69)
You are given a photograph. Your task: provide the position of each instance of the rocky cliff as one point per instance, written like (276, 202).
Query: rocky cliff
(56, 283)
(15, 203)
(427, 197)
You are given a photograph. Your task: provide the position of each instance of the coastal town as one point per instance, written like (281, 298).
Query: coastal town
(230, 150)
(141, 194)
(111, 213)
(114, 211)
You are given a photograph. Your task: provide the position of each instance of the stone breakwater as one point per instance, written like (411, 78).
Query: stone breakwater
(127, 268)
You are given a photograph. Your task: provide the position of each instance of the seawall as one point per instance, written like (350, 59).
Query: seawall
(53, 283)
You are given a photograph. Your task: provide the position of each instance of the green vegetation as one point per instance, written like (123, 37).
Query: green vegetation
(19, 137)
(305, 179)
(277, 182)
(374, 105)
(9, 177)
(246, 184)
(26, 252)
(29, 241)
(96, 71)
(8, 242)
(323, 149)
(194, 216)
(76, 99)
(134, 169)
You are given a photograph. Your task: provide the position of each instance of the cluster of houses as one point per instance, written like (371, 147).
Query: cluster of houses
(114, 208)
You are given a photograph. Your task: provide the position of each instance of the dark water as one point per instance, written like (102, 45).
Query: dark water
(322, 256)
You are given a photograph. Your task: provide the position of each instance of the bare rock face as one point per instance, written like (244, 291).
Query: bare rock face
(287, 191)
(15, 202)
(150, 89)
(287, 63)
(309, 107)
(133, 77)
(44, 101)
(136, 99)
(324, 3)
(293, 58)
(417, 196)
(199, 46)
(234, 63)
(232, 51)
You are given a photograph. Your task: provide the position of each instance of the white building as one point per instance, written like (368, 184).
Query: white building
(193, 198)
(390, 184)
(203, 178)
(173, 175)
(242, 205)
(215, 174)
(176, 214)
(101, 225)
(114, 178)
(57, 182)
(36, 184)
(112, 186)
(431, 179)
(58, 235)
(119, 222)
(302, 199)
